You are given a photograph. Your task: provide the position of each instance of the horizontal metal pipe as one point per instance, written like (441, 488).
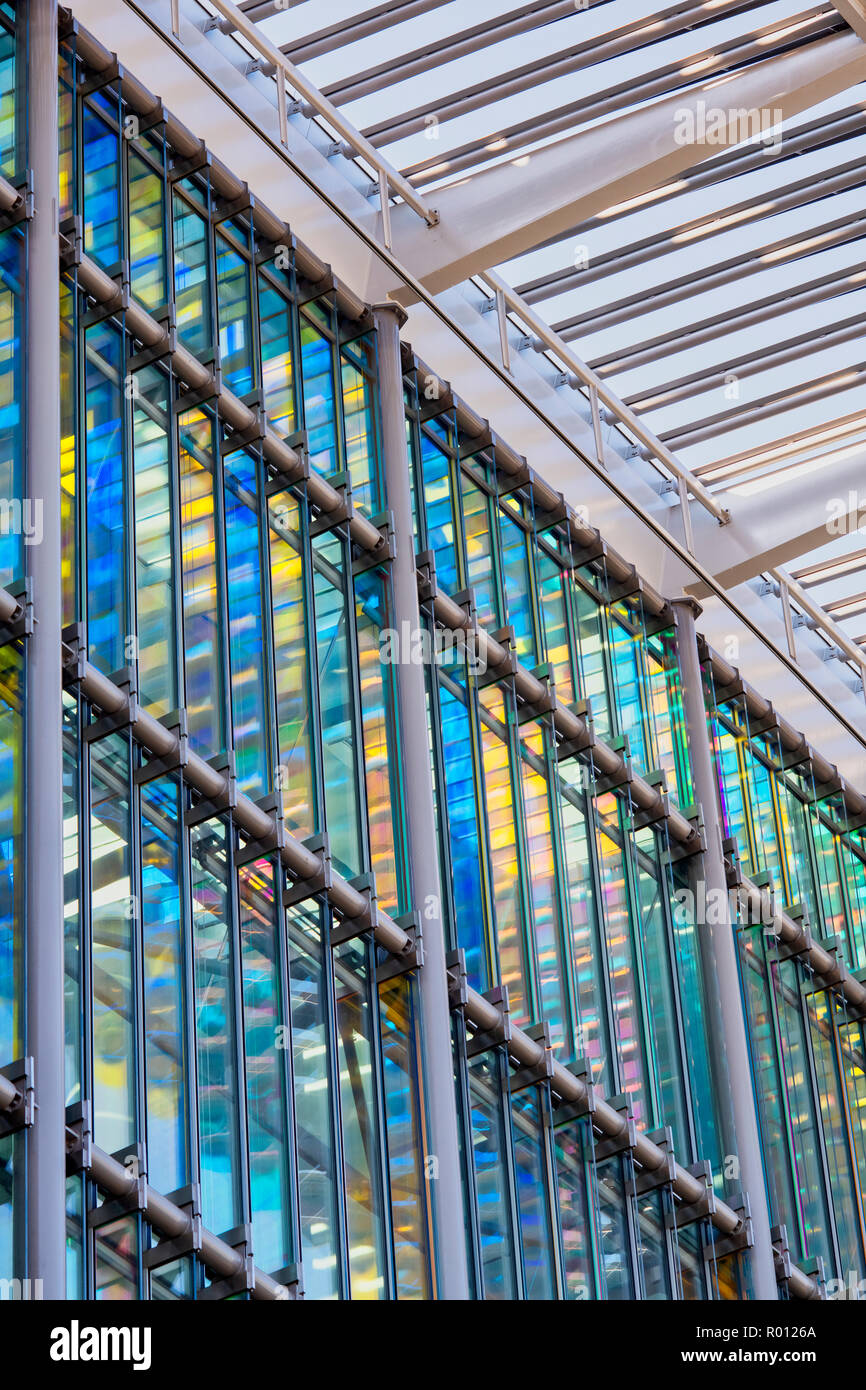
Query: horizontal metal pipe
(612, 1123)
(258, 824)
(172, 1221)
(794, 935)
(198, 377)
(547, 499)
(10, 607)
(569, 725)
(182, 140)
(9, 1093)
(801, 1286)
(725, 675)
(10, 198)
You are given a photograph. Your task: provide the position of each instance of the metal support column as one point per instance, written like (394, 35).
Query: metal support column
(418, 789)
(732, 1072)
(46, 1151)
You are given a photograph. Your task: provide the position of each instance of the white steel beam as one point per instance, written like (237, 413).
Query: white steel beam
(855, 13)
(508, 209)
(775, 525)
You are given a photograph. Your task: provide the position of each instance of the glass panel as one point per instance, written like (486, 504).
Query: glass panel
(246, 625)
(613, 1231)
(101, 159)
(165, 1044)
(265, 1042)
(314, 1100)
(533, 1198)
(214, 961)
(146, 232)
(359, 420)
(113, 912)
(118, 1272)
(191, 272)
(202, 640)
(407, 1147)
(379, 726)
(291, 665)
(490, 1156)
(320, 410)
(360, 1124)
(107, 626)
(235, 317)
(339, 749)
(275, 318)
(151, 453)
(571, 1144)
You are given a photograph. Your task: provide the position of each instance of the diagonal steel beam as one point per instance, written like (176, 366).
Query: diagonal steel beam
(505, 211)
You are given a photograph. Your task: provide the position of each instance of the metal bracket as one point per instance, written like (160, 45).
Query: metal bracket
(277, 482)
(79, 1138)
(565, 1112)
(206, 809)
(649, 1180)
(458, 984)
(686, 1215)
(383, 554)
(183, 168)
(619, 1143)
(176, 722)
(506, 638)
(742, 1238)
(624, 776)
(526, 712)
(273, 843)
(189, 399)
(22, 624)
(23, 210)
(638, 819)
(240, 1239)
(410, 959)
(166, 316)
(234, 439)
(836, 977)
(169, 1249)
(534, 1076)
(102, 310)
(342, 514)
(571, 747)
(71, 242)
(347, 928)
(21, 1113)
(305, 888)
(125, 679)
(696, 844)
(291, 1278)
(134, 1159)
(425, 573)
(500, 1033)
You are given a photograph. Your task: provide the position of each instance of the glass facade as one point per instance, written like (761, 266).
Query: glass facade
(231, 1029)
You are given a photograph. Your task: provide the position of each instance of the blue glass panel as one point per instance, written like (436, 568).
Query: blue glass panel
(165, 1061)
(235, 317)
(265, 1042)
(214, 964)
(462, 823)
(107, 625)
(246, 628)
(101, 158)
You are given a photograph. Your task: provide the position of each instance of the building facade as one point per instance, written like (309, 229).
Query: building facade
(421, 908)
